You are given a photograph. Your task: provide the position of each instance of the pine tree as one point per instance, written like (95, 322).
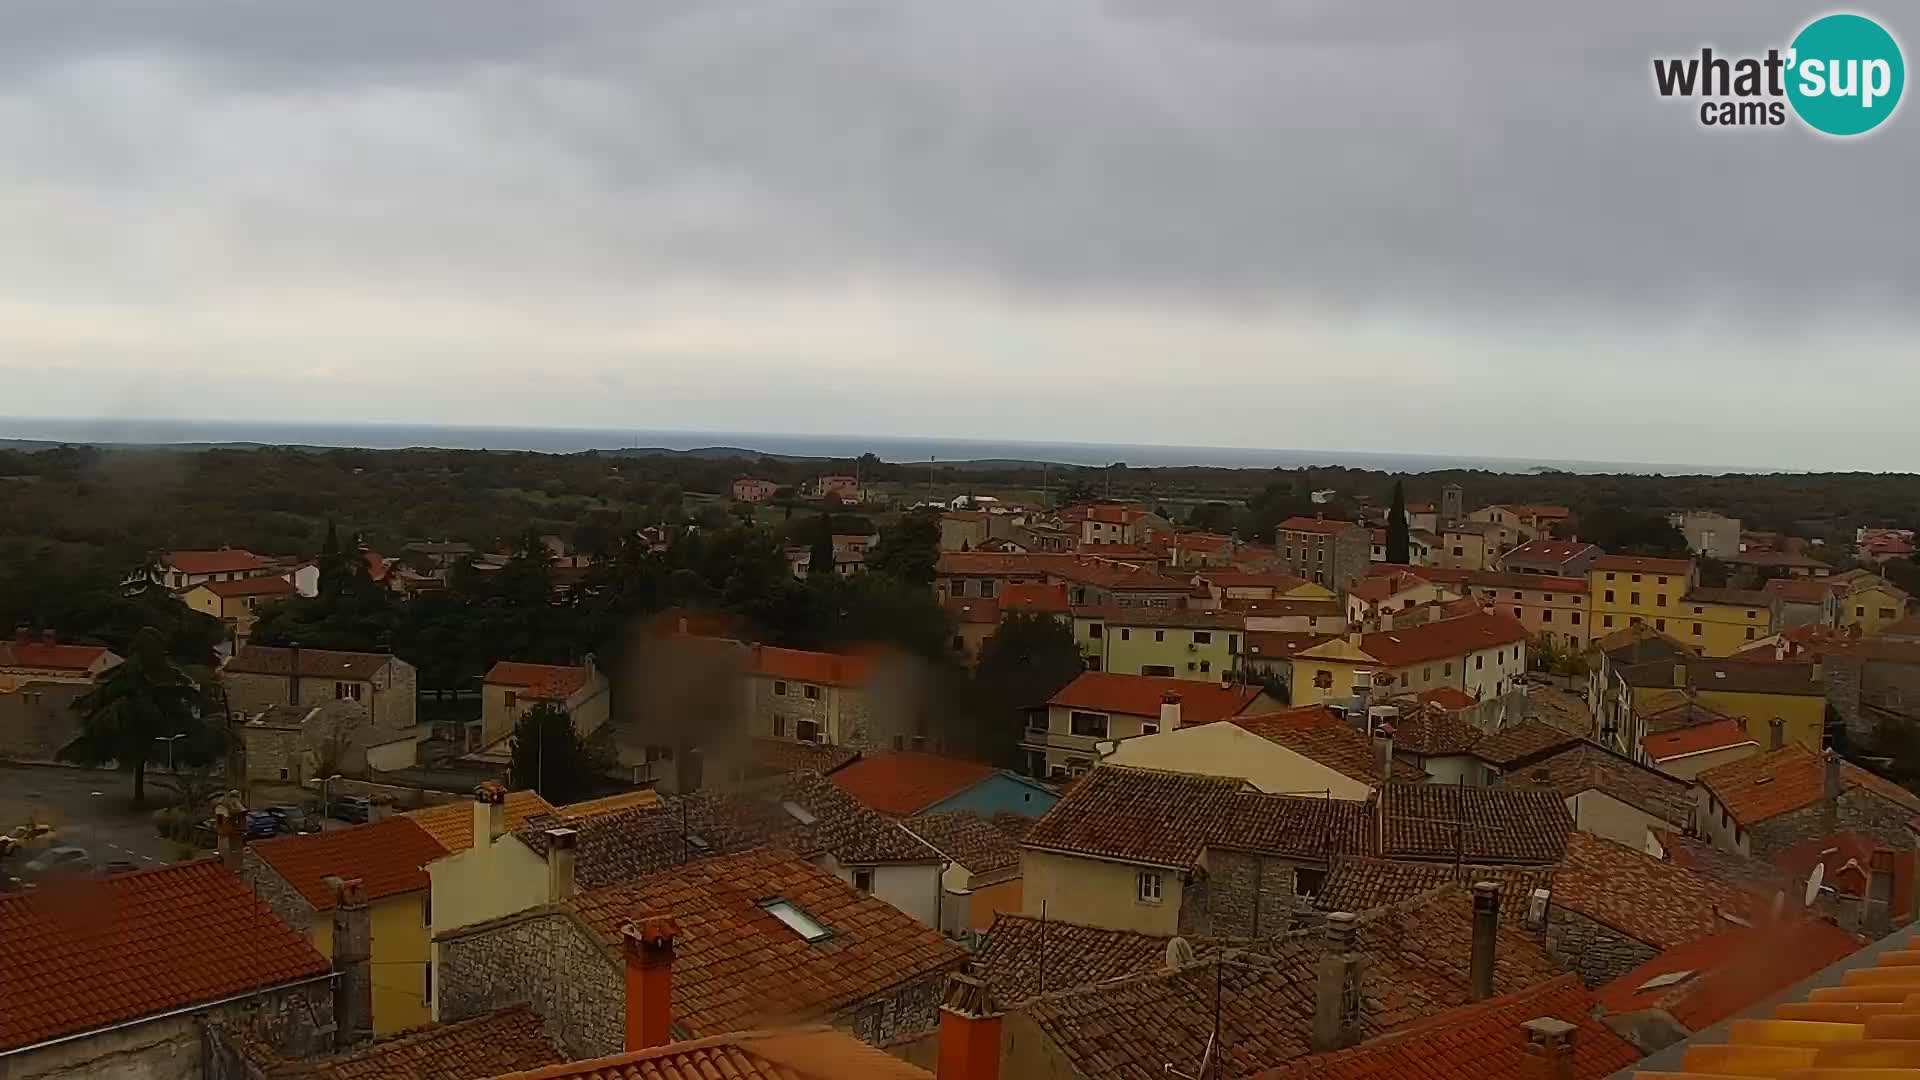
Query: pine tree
(1399, 537)
(146, 698)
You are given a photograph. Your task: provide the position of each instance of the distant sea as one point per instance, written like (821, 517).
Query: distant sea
(898, 448)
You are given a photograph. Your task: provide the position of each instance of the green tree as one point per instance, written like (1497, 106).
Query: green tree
(1028, 660)
(908, 549)
(1624, 531)
(1399, 536)
(550, 757)
(144, 699)
(1211, 517)
(820, 558)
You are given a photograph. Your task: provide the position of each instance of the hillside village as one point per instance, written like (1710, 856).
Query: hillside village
(1423, 791)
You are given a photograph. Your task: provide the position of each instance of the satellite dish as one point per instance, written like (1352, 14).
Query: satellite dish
(1814, 879)
(1179, 953)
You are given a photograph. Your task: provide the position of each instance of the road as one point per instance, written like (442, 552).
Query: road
(90, 808)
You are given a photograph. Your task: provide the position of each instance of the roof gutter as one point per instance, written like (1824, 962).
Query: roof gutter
(169, 1014)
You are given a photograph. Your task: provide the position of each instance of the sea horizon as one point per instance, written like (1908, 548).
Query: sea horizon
(187, 434)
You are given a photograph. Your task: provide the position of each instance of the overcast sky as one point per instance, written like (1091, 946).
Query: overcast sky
(1462, 227)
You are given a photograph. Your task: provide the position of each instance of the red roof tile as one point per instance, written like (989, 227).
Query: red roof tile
(1142, 695)
(903, 782)
(1550, 551)
(252, 586)
(387, 855)
(1045, 598)
(1640, 564)
(1317, 525)
(223, 561)
(1451, 698)
(1698, 739)
(1281, 644)
(314, 663)
(1498, 579)
(795, 1054)
(1476, 1042)
(800, 665)
(46, 656)
(972, 609)
(1723, 973)
(1443, 639)
(551, 682)
(1517, 744)
(484, 1045)
(1799, 590)
(1116, 615)
(1660, 904)
(1313, 732)
(1767, 785)
(1246, 579)
(92, 952)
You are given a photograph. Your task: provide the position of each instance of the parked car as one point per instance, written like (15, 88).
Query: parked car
(293, 818)
(62, 859)
(262, 825)
(355, 808)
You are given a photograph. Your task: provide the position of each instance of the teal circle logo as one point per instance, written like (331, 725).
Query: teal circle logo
(1845, 74)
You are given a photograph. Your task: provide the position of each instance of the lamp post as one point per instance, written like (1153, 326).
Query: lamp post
(326, 794)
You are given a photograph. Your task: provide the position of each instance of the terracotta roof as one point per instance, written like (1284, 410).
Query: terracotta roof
(1282, 607)
(1656, 903)
(1317, 525)
(222, 561)
(993, 564)
(1146, 616)
(1553, 551)
(1563, 710)
(1477, 1042)
(1118, 577)
(1737, 676)
(1767, 785)
(1047, 598)
(1199, 541)
(1724, 973)
(451, 824)
(627, 844)
(1308, 828)
(827, 669)
(1517, 745)
(905, 782)
(88, 953)
(1697, 739)
(253, 586)
(1776, 558)
(736, 966)
(606, 804)
(1798, 590)
(1471, 528)
(1245, 579)
(1363, 884)
(1678, 709)
(1020, 951)
(793, 1054)
(1496, 579)
(1751, 876)
(1313, 732)
(1735, 597)
(1137, 815)
(1640, 564)
(1281, 644)
(314, 663)
(1638, 644)
(1382, 587)
(1433, 728)
(1585, 766)
(972, 609)
(389, 856)
(49, 656)
(786, 755)
(1494, 824)
(981, 844)
(550, 682)
(1441, 640)
(497, 1042)
(1141, 695)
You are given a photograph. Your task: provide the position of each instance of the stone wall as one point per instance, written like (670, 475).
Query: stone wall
(1598, 953)
(1242, 895)
(909, 1010)
(37, 719)
(290, 1022)
(546, 959)
(285, 900)
(1859, 811)
(396, 696)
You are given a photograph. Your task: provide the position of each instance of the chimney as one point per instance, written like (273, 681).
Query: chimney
(1486, 927)
(1169, 711)
(648, 945)
(489, 812)
(47, 636)
(352, 955)
(227, 830)
(1336, 1002)
(378, 809)
(1830, 806)
(22, 634)
(293, 673)
(560, 854)
(1549, 1049)
(1383, 751)
(969, 1031)
(1776, 733)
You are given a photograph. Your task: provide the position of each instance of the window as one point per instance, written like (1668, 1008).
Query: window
(1126, 634)
(1659, 599)
(806, 730)
(899, 742)
(1697, 610)
(795, 920)
(1885, 613)
(1159, 635)
(1307, 880)
(1635, 621)
(1148, 883)
(426, 909)
(1633, 598)
(1426, 673)
(986, 587)
(1609, 596)
(1517, 596)
(1458, 551)
(1659, 624)
(1202, 637)
(1547, 616)
(1233, 643)
(1164, 671)
(1609, 577)
(779, 726)
(1094, 630)
(1037, 720)
(959, 643)
(1750, 631)
(1696, 629)
(428, 984)
(1480, 662)
(813, 693)
(283, 774)
(1093, 663)
(1091, 725)
(1206, 665)
(863, 878)
(1516, 613)
(350, 691)
(1860, 612)
(1606, 620)
(779, 688)
(1149, 729)
(1446, 670)
(1636, 577)
(1575, 618)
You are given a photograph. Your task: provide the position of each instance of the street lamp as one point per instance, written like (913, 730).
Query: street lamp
(170, 740)
(326, 794)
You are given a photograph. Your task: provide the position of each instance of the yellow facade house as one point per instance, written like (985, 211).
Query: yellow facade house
(1721, 622)
(1629, 590)
(238, 603)
(389, 858)
(1173, 643)
(1482, 654)
(1868, 601)
(511, 689)
(1064, 739)
(1757, 692)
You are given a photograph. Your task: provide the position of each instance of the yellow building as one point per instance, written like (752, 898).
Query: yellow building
(1868, 601)
(1174, 643)
(1755, 691)
(388, 858)
(237, 604)
(1628, 590)
(1482, 655)
(1063, 739)
(1721, 622)
(511, 689)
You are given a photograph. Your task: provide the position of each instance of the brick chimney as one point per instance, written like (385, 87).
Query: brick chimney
(969, 1031)
(352, 959)
(1830, 804)
(228, 830)
(648, 945)
(1336, 1002)
(1169, 711)
(1486, 928)
(48, 637)
(1549, 1049)
(1383, 751)
(560, 856)
(22, 634)
(1776, 733)
(489, 812)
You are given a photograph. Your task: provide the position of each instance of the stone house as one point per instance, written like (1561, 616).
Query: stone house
(377, 689)
(40, 679)
(763, 938)
(1761, 805)
(122, 991)
(510, 689)
(817, 697)
(510, 1040)
(1334, 554)
(1873, 681)
(1613, 908)
(294, 744)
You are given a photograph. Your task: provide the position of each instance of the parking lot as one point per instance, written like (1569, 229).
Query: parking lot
(90, 809)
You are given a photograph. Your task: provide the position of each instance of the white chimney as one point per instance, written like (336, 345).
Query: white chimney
(1169, 711)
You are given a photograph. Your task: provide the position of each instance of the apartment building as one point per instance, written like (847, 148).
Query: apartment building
(1628, 590)
(1329, 553)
